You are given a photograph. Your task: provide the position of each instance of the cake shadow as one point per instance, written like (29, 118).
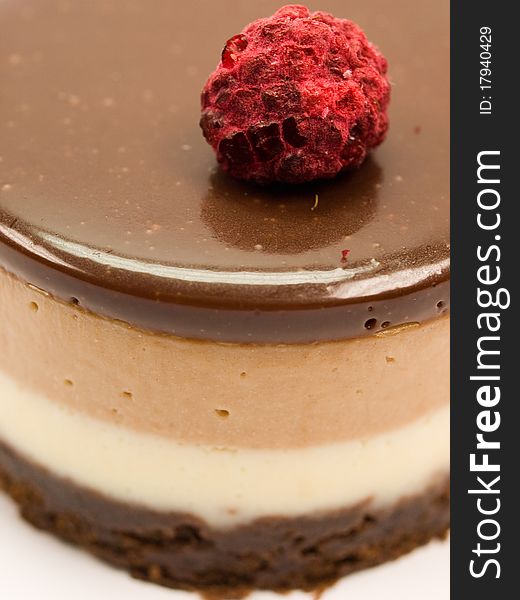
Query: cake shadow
(291, 219)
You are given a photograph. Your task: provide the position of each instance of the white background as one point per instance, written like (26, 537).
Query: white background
(34, 566)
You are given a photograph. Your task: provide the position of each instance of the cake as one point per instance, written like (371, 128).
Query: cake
(214, 385)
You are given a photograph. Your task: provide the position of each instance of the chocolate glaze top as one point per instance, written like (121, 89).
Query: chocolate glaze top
(110, 197)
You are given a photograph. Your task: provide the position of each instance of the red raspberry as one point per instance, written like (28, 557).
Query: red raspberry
(298, 96)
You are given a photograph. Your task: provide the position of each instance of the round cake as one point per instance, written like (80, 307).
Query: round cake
(216, 385)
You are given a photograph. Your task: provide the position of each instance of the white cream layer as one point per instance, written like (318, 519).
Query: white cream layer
(222, 486)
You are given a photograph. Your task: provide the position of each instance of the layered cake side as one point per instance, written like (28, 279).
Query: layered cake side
(217, 386)
(204, 465)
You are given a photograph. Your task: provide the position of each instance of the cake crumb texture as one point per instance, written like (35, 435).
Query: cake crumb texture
(180, 551)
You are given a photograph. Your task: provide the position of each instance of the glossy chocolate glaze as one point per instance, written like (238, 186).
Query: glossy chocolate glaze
(110, 197)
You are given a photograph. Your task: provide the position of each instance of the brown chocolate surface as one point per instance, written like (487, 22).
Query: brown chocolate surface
(110, 196)
(181, 551)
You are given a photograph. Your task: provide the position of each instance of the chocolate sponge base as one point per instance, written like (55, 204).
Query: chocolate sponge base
(180, 551)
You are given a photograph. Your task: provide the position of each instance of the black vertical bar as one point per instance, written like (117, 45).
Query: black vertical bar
(485, 127)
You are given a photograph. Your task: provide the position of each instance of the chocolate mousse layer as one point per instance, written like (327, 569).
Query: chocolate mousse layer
(217, 394)
(111, 199)
(182, 551)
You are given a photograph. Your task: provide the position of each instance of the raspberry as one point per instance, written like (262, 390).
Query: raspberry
(232, 49)
(296, 97)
